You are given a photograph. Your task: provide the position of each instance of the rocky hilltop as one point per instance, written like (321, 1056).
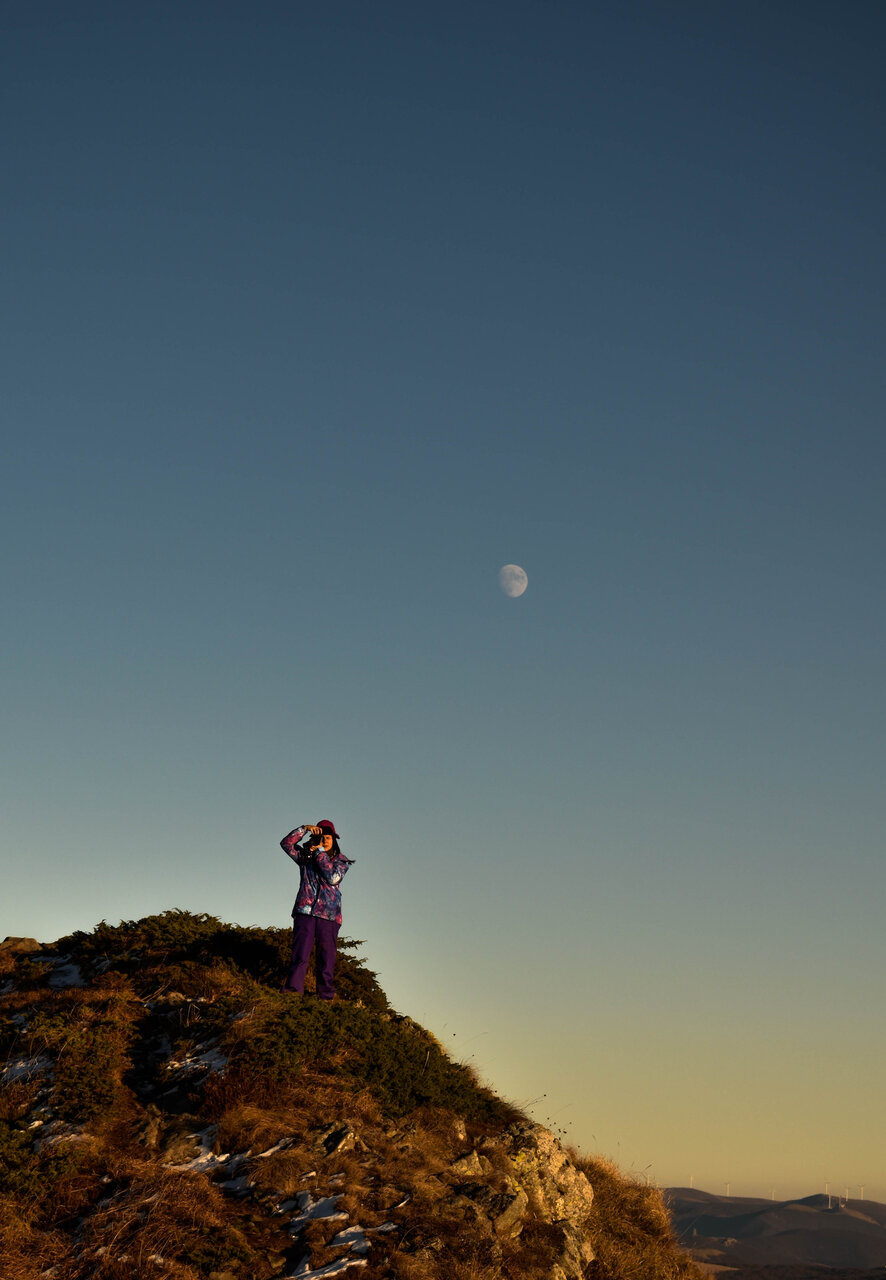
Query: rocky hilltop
(166, 1111)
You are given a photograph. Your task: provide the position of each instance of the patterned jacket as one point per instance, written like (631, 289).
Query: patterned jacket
(321, 874)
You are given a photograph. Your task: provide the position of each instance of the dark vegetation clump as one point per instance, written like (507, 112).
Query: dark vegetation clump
(88, 1036)
(401, 1065)
(29, 1174)
(186, 944)
(164, 1101)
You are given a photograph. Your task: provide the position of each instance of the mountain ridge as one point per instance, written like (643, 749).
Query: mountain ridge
(823, 1235)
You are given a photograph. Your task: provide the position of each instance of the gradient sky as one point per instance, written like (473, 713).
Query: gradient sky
(314, 316)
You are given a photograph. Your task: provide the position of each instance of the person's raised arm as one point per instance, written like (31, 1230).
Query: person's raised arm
(289, 844)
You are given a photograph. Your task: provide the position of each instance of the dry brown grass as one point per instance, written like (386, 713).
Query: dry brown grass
(17, 1098)
(156, 1213)
(25, 1250)
(245, 1126)
(630, 1229)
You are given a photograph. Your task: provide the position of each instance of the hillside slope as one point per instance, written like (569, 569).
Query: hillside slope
(813, 1232)
(166, 1111)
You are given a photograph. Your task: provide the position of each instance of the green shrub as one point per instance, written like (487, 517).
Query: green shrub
(182, 938)
(27, 1174)
(403, 1067)
(19, 1167)
(90, 1052)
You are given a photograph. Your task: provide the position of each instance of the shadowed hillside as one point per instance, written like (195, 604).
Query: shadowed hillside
(781, 1240)
(166, 1111)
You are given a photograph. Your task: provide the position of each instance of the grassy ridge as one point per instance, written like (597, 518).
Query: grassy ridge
(179, 1028)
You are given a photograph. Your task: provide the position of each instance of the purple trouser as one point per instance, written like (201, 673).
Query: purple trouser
(307, 930)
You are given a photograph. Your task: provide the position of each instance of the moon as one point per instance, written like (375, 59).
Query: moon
(512, 580)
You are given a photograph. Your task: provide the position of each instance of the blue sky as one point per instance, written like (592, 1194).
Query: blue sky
(316, 316)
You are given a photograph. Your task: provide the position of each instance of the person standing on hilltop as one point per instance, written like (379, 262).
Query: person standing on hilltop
(316, 915)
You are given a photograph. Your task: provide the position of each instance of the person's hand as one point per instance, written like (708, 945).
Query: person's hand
(315, 831)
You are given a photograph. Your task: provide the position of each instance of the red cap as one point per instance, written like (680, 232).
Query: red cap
(326, 826)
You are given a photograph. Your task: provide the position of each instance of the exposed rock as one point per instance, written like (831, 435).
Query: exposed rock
(186, 1149)
(20, 946)
(555, 1187)
(556, 1191)
(422, 1242)
(511, 1204)
(472, 1200)
(182, 1148)
(504, 1209)
(338, 1138)
(65, 974)
(432, 1189)
(12, 948)
(468, 1166)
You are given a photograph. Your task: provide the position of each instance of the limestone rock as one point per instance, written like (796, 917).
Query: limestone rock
(20, 946)
(338, 1138)
(467, 1166)
(471, 1165)
(504, 1209)
(12, 948)
(512, 1206)
(556, 1191)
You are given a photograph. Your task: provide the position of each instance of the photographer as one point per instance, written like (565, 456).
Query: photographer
(316, 916)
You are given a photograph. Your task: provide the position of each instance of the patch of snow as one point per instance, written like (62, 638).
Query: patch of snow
(8, 986)
(303, 1270)
(384, 1227)
(25, 1068)
(354, 1236)
(207, 1160)
(204, 1058)
(280, 1146)
(57, 1131)
(316, 1210)
(238, 1186)
(65, 974)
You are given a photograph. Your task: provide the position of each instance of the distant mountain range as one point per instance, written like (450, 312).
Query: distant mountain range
(815, 1238)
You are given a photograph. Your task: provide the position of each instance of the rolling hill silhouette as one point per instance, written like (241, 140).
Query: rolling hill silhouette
(809, 1233)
